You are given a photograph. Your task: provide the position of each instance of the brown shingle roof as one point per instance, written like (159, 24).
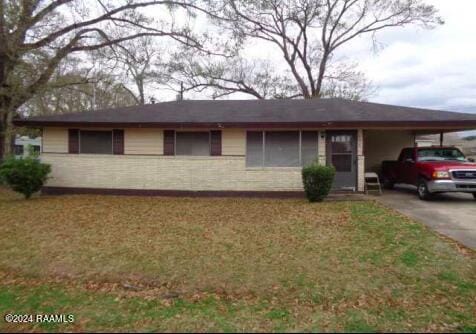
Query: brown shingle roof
(242, 113)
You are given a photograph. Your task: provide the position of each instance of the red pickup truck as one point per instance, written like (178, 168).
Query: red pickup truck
(432, 170)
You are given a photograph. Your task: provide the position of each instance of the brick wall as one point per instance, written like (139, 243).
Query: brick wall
(144, 167)
(380, 145)
(168, 173)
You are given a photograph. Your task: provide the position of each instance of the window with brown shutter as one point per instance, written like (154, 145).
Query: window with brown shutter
(215, 142)
(118, 141)
(95, 142)
(73, 141)
(194, 143)
(169, 142)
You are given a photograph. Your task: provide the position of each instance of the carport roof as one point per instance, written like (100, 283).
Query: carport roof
(328, 113)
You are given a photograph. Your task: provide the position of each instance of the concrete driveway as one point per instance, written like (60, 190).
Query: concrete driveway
(453, 215)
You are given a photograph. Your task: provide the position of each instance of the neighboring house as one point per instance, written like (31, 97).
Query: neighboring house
(222, 146)
(23, 143)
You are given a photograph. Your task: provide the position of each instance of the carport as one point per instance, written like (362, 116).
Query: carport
(450, 214)
(386, 144)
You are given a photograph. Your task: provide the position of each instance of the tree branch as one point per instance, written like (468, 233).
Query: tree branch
(108, 16)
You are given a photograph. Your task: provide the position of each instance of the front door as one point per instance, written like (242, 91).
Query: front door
(342, 154)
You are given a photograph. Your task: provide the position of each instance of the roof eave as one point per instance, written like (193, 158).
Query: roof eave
(451, 124)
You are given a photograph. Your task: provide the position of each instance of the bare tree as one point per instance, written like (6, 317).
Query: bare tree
(41, 34)
(231, 75)
(139, 62)
(307, 33)
(262, 79)
(73, 91)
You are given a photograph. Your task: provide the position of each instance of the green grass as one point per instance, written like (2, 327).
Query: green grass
(228, 265)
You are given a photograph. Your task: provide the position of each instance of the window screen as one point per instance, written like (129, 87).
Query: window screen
(192, 143)
(342, 162)
(281, 149)
(341, 152)
(309, 144)
(254, 149)
(95, 142)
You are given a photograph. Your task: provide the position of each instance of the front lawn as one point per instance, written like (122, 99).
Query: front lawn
(183, 264)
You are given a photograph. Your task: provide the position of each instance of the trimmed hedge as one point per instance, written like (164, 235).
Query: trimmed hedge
(24, 175)
(317, 180)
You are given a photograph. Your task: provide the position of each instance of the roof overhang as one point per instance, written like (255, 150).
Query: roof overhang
(410, 125)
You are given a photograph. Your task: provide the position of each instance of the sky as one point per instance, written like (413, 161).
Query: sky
(428, 68)
(414, 66)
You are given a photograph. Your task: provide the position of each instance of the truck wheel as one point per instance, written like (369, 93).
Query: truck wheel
(423, 192)
(474, 195)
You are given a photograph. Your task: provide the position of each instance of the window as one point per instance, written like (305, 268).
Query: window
(406, 154)
(192, 143)
(309, 147)
(440, 154)
(18, 149)
(36, 148)
(95, 142)
(280, 148)
(254, 149)
(341, 152)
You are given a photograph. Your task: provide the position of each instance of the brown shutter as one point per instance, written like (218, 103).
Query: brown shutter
(215, 142)
(117, 141)
(169, 142)
(73, 141)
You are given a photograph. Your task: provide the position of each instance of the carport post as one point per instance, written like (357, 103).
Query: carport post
(441, 138)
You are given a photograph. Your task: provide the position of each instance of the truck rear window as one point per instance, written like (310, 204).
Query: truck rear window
(440, 154)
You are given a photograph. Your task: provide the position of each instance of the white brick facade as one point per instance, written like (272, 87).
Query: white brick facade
(167, 173)
(144, 167)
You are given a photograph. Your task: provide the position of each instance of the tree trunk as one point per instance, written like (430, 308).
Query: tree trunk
(5, 136)
(7, 142)
(2, 143)
(6, 128)
(140, 88)
(320, 78)
(3, 126)
(141, 94)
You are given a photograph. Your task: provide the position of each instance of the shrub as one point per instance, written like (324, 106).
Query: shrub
(317, 180)
(24, 175)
